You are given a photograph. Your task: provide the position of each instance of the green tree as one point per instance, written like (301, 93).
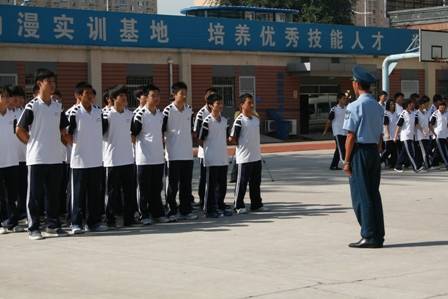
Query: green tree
(311, 11)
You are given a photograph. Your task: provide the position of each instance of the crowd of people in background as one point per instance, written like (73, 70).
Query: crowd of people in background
(89, 167)
(415, 131)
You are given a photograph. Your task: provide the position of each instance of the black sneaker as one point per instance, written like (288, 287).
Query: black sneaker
(55, 232)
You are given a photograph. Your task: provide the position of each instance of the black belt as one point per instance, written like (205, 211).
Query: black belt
(366, 144)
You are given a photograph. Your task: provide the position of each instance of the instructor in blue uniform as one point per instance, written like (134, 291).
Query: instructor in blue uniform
(364, 124)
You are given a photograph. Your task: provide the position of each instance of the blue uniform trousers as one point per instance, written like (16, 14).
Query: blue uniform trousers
(364, 187)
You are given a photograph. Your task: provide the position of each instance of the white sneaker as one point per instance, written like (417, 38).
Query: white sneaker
(162, 219)
(189, 216)
(35, 235)
(261, 209)
(398, 170)
(146, 221)
(3, 230)
(76, 230)
(241, 211)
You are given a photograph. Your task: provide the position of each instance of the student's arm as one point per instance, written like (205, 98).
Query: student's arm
(432, 123)
(386, 127)
(349, 145)
(136, 126)
(398, 129)
(203, 133)
(63, 124)
(104, 123)
(417, 123)
(328, 122)
(235, 133)
(166, 114)
(25, 121)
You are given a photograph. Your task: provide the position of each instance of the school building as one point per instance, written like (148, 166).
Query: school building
(293, 70)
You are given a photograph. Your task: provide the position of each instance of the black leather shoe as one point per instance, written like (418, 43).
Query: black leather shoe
(366, 243)
(335, 168)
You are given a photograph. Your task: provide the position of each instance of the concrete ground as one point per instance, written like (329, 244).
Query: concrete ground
(298, 250)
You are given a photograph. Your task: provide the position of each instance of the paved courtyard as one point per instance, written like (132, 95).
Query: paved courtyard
(298, 250)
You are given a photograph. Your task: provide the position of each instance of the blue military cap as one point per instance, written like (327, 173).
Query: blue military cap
(362, 75)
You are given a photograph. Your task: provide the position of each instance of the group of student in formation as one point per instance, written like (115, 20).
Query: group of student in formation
(415, 131)
(92, 164)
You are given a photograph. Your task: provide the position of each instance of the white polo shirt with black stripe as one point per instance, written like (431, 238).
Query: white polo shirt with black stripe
(214, 134)
(118, 150)
(87, 131)
(337, 117)
(423, 120)
(247, 131)
(177, 128)
(200, 116)
(406, 122)
(390, 120)
(21, 147)
(440, 123)
(147, 128)
(9, 155)
(44, 123)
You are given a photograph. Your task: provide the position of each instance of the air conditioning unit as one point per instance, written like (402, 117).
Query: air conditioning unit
(292, 126)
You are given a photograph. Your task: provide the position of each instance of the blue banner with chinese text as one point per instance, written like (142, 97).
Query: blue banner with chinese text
(109, 29)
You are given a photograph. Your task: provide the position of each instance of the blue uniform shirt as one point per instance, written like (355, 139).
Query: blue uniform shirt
(364, 117)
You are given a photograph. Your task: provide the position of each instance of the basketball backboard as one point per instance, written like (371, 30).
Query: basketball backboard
(433, 46)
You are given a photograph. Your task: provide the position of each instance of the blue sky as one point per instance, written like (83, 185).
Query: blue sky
(172, 7)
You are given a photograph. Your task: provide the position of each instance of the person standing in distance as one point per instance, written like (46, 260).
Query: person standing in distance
(364, 125)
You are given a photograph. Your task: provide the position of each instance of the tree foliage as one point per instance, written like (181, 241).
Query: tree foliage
(311, 11)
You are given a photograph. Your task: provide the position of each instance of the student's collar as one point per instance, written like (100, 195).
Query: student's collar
(149, 110)
(43, 102)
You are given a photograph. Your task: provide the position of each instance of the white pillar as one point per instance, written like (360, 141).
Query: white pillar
(185, 73)
(95, 74)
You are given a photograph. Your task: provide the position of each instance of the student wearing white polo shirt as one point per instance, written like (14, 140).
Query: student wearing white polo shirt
(336, 120)
(18, 93)
(149, 156)
(422, 133)
(86, 128)
(200, 116)
(439, 126)
(389, 153)
(42, 127)
(9, 164)
(178, 129)
(213, 135)
(119, 159)
(246, 134)
(405, 131)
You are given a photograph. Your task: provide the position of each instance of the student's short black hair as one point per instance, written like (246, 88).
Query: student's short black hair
(139, 92)
(18, 91)
(178, 86)
(407, 102)
(211, 90)
(414, 96)
(115, 91)
(35, 88)
(389, 103)
(106, 96)
(42, 74)
(152, 87)
(441, 103)
(81, 86)
(58, 93)
(94, 91)
(423, 100)
(340, 96)
(383, 93)
(398, 94)
(437, 98)
(5, 91)
(214, 97)
(245, 96)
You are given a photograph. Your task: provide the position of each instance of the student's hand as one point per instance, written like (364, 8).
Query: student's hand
(347, 168)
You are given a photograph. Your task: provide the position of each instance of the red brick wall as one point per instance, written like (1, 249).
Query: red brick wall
(20, 65)
(69, 74)
(421, 81)
(201, 80)
(162, 80)
(394, 82)
(270, 83)
(113, 74)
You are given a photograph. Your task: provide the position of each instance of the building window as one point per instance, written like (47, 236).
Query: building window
(133, 82)
(225, 87)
